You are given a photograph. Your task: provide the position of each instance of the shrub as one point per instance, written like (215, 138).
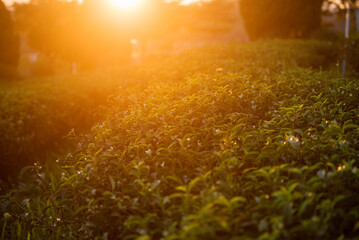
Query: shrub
(36, 114)
(222, 143)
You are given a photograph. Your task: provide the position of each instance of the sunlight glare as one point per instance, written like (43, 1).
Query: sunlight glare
(126, 5)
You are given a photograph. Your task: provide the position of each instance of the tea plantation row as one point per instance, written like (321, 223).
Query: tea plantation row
(36, 114)
(232, 142)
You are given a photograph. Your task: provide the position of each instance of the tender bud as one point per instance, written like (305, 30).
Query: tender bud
(7, 216)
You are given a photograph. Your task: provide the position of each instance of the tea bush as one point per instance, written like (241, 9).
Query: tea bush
(36, 114)
(231, 142)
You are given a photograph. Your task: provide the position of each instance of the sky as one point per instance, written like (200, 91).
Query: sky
(9, 2)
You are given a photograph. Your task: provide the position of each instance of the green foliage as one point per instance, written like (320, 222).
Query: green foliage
(36, 114)
(231, 142)
(281, 18)
(9, 44)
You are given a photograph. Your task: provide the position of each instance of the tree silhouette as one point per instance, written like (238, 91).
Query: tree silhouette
(73, 32)
(9, 43)
(281, 18)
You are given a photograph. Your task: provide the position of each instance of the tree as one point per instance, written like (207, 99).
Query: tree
(340, 3)
(9, 44)
(44, 24)
(281, 18)
(73, 32)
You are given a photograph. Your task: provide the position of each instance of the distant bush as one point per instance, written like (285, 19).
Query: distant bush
(36, 114)
(323, 34)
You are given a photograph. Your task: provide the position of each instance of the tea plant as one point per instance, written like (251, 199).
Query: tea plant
(36, 114)
(227, 142)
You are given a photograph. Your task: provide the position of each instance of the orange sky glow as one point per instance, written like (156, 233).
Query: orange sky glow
(184, 2)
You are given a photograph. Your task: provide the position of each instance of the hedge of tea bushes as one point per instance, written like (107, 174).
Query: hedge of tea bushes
(221, 153)
(36, 114)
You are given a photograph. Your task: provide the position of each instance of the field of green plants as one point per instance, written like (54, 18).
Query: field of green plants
(36, 114)
(252, 141)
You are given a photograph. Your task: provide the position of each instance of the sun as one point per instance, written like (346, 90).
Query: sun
(126, 5)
